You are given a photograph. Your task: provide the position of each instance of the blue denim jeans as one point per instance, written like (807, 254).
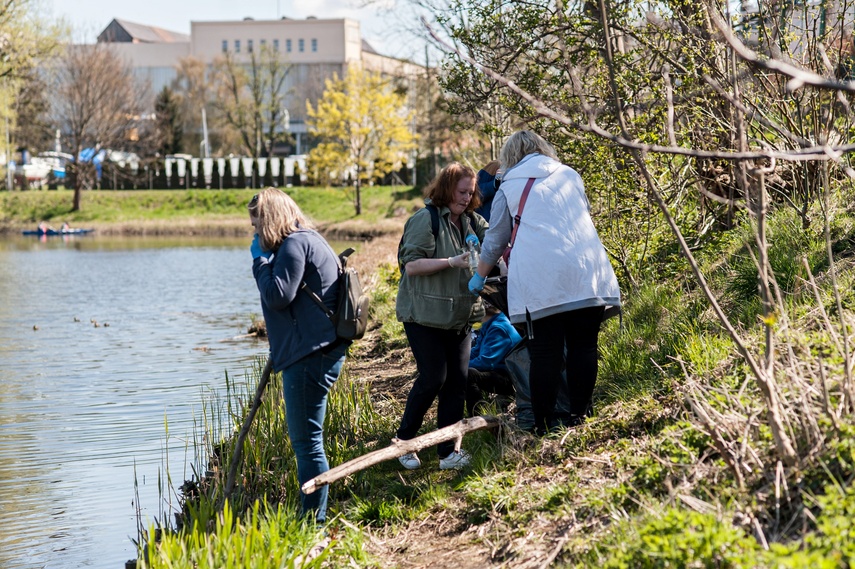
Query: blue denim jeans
(305, 385)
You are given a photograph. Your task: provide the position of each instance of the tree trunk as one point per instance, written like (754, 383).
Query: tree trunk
(78, 189)
(358, 197)
(357, 202)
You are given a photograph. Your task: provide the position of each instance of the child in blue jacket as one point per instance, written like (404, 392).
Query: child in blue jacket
(487, 370)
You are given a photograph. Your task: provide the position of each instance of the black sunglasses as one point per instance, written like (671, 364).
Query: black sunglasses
(254, 201)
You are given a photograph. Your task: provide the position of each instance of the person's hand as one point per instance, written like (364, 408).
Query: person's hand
(256, 249)
(476, 284)
(461, 261)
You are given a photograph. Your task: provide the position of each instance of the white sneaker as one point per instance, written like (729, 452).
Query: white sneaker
(457, 460)
(410, 461)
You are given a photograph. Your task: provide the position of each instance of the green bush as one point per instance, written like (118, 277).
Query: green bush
(383, 298)
(677, 538)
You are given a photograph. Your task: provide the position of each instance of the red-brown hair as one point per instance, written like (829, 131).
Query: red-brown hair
(441, 189)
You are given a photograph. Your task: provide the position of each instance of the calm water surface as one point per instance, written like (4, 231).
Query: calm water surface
(83, 409)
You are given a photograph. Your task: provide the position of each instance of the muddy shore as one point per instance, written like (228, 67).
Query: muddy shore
(237, 226)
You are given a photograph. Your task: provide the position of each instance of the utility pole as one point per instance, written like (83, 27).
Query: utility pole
(205, 142)
(8, 154)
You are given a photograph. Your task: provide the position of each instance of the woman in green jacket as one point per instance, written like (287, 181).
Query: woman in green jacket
(436, 307)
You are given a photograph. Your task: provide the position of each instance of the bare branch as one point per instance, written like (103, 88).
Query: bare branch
(798, 77)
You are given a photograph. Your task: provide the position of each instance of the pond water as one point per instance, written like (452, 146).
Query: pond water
(84, 409)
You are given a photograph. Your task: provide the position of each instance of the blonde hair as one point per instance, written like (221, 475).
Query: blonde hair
(278, 217)
(521, 144)
(491, 167)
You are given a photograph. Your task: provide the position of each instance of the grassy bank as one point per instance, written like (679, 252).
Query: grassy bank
(202, 211)
(678, 468)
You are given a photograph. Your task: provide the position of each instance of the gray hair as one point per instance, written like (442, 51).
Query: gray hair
(521, 144)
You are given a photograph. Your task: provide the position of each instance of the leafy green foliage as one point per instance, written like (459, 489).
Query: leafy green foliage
(635, 350)
(262, 538)
(494, 494)
(678, 539)
(834, 537)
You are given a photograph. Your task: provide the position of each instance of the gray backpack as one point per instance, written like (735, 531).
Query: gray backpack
(350, 316)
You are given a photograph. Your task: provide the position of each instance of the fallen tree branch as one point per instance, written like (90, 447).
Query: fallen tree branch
(400, 448)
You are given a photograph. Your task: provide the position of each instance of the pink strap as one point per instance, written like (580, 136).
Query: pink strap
(518, 216)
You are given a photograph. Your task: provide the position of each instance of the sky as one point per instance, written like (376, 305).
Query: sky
(380, 23)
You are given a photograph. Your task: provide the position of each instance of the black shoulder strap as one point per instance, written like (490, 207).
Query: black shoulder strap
(317, 299)
(434, 219)
(305, 287)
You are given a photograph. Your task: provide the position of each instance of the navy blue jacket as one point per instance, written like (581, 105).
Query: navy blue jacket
(296, 325)
(496, 338)
(487, 187)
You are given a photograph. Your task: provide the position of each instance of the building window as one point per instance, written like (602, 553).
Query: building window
(225, 46)
(314, 44)
(288, 46)
(249, 46)
(301, 45)
(262, 43)
(275, 45)
(237, 46)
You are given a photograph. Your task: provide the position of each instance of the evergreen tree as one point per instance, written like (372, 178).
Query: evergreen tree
(169, 124)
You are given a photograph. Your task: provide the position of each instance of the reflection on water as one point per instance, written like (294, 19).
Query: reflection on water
(102, 341)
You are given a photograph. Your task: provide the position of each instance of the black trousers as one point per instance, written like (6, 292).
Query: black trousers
(442, 359)
(579, 331)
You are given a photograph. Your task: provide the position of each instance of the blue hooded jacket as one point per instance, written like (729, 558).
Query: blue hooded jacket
(495, 340)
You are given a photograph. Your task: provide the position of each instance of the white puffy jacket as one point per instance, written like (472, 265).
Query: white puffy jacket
(558, 263)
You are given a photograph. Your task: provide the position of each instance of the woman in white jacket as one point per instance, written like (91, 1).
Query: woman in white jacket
(560, 280)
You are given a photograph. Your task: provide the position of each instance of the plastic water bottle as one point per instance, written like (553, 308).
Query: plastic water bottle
(473, 245)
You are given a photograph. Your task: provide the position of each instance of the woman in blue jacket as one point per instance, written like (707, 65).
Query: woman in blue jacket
(286, 252)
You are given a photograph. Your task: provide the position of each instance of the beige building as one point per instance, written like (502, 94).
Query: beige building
(314, 48)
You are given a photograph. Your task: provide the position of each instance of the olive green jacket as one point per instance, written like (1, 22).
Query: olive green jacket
(441, 300)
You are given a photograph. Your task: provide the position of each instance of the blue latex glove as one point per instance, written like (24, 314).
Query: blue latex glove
(256, 249)
(476, 284)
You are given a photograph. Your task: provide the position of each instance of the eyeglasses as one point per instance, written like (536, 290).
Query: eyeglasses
(254, 201)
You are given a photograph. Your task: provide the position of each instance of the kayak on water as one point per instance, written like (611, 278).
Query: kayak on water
(57, 231)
